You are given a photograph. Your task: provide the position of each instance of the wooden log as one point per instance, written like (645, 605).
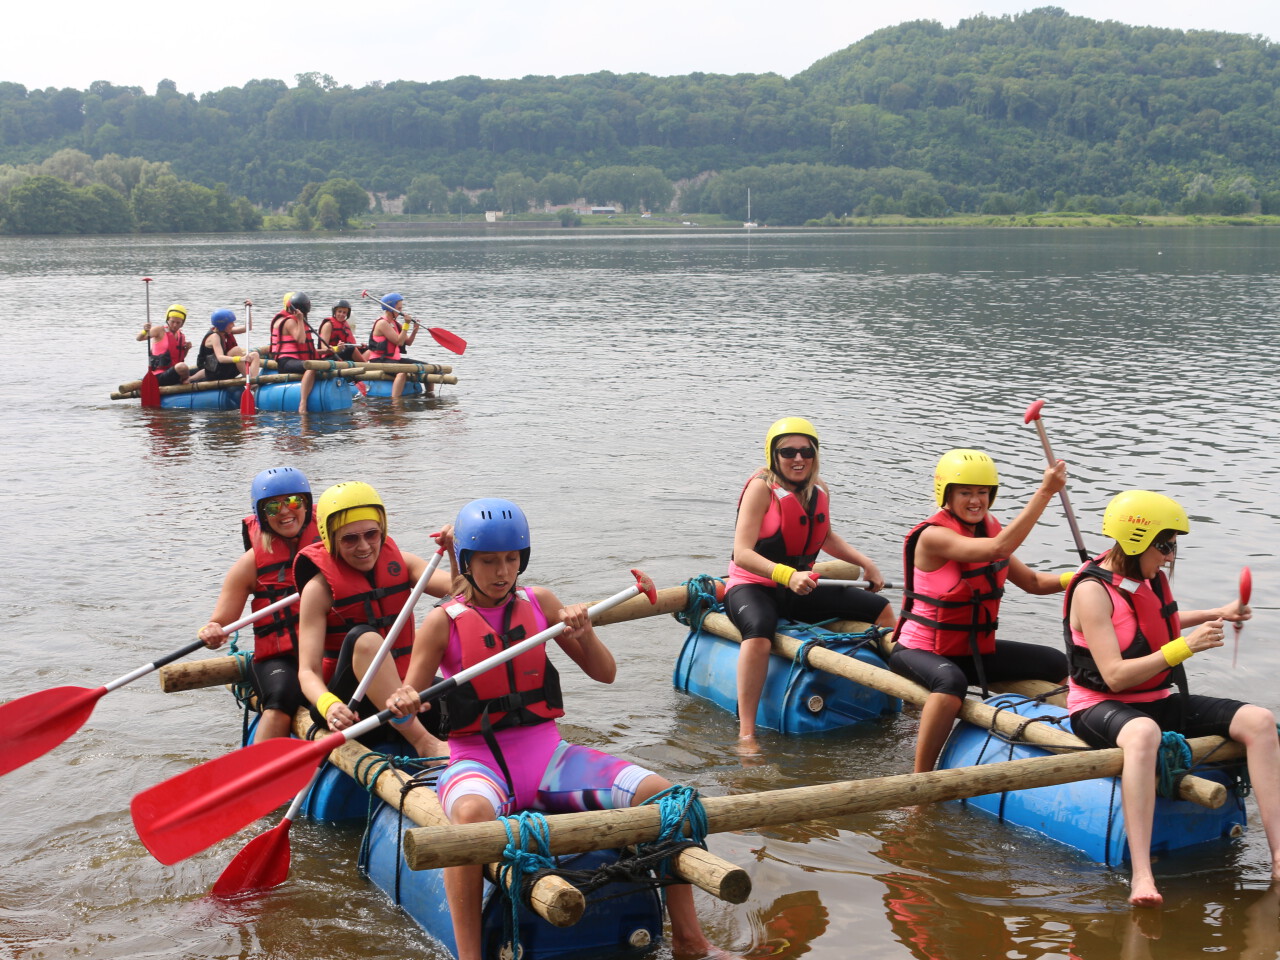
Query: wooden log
(428, 848)
(429, 378)
(194, 674)
(202, 385)
(407, 367)
(1196, 789)
(553, 898)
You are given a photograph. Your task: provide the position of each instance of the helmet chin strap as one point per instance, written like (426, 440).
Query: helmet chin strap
(466, 574)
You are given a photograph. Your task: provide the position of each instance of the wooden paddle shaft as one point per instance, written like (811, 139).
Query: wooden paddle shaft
(1006, 722)
(427, 848)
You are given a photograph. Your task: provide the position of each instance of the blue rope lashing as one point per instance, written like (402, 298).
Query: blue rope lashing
(524, 829)
(1172, 763)
(702, 600)
(678, 805)
(242, 690)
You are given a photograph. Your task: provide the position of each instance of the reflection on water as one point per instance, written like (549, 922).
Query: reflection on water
(619, 387)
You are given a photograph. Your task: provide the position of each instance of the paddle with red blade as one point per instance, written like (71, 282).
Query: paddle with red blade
(247, 406)
(149, 392)
(35, 724)
(450, 341)
(208, 803)
(263, 863)
(1246, 591)
(1033, 414)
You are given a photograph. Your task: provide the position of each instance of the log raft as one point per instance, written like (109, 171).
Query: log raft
(428, 848)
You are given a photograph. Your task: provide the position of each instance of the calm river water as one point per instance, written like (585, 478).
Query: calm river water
(619, 388)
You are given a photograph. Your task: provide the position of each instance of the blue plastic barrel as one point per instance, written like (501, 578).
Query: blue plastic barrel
(224, 398)
(326, 395)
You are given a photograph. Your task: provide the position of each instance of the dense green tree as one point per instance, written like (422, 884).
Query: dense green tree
(515, 192)
(43, 205)
(630, 187)
(426, 194)
(558, 188)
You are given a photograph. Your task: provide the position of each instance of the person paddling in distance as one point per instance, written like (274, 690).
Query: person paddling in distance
(291, 343)
(168, 347)
(354, 583)
(389, 335)
(955, 565)
(337, 335)
(1126, 646)
(783, 522)
(220, 357)
(505, 750)
(280, 525)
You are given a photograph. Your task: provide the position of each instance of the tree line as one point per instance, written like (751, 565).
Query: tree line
(997, 113)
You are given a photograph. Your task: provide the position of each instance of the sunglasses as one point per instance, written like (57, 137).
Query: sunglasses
(790, 453)
(370, 537)
(1166, 547)
(295, 501)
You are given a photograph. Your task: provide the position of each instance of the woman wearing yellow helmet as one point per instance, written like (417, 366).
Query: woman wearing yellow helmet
(783, 523)
(1126, 647)
(354, 583)
(167, 347)
(955, 565)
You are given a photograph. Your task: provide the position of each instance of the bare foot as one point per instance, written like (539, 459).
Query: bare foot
(747, 747)
(1143, 893)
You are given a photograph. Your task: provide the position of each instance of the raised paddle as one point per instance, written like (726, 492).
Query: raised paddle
(208, 803)
(1246, 591)
(450, 341)
(1033, 414)
(35, 724)
(247, 406)
(263, 863)
(150, 389)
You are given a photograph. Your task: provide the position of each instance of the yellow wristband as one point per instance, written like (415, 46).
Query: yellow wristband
(326, 701)
(1175, 651)
(781, 574)
(1064, 578)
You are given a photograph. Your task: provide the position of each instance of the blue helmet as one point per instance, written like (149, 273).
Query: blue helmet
(490, 525)
(392, 300)
(222, 319)
(278, 482)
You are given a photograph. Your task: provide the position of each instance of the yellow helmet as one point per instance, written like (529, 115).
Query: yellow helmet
(176, 308)
(1135, 517)
(287, 297)
(346, 503)
(784, 427)
(970, 467)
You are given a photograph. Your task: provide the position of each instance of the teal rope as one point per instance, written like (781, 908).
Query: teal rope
(1172, 763)
(678, 805)
(243, 689)
(702, 600)
(524, 830)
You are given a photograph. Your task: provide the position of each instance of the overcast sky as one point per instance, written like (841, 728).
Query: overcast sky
(219, 43)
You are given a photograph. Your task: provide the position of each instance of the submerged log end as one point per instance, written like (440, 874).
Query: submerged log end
(557, 901)
(721, 879)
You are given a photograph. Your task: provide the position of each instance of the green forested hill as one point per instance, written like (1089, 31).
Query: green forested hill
(998, 114)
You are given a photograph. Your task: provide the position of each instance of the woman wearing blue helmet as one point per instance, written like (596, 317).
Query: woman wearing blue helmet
(391, 332)
(280, 525)
(220, 357)
(505, 750)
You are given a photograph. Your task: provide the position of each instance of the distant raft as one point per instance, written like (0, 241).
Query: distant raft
(1087, 815)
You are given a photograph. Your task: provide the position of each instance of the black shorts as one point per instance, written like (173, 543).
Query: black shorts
(275, 680)
(1197, 716)
(221, 371)
(343, 685)
(755, 608)
(169, 378)
(1011, 660)
(291, 365)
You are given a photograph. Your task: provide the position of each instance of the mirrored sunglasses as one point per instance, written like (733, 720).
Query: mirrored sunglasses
(1166, 547)
(295, 501)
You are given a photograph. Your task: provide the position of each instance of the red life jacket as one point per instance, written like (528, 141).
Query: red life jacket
(381, 349)
(375, 599)
(1156, 623)
(521, 692)
(800, 532)
(965, 617)
(277, 633)
(166, 358)
(339, 332)
(284, 346)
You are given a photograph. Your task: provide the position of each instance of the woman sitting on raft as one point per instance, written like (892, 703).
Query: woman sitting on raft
(782, 524)
(280, 526)
(1126, 647)
(354, 583)
(337, 336)
(505, 760)
(220, 357)
(955, 564)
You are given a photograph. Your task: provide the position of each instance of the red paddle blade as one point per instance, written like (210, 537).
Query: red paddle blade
(247, 408)
(1246, 586)
(35, 724)
(450, 341)
(208, 803)
(150, 390)
(261, 865)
